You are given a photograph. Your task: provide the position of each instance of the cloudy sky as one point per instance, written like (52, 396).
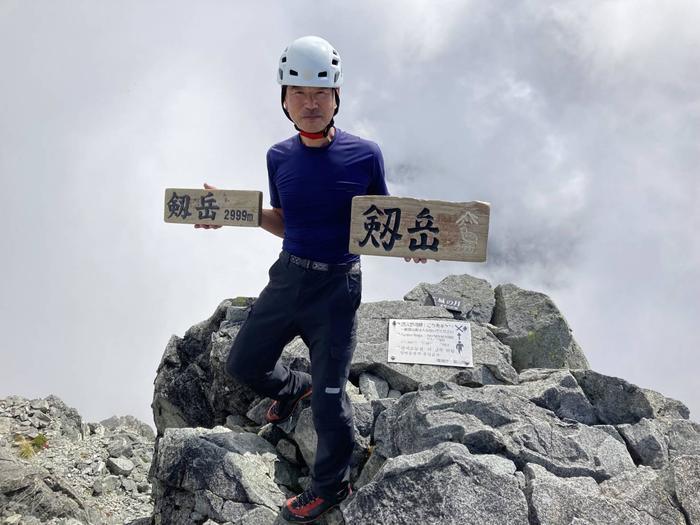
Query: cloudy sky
(578, 121)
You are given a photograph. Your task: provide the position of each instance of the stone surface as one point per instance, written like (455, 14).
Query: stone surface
(491, 357)
(438, 486)
(646, 442)
(433, 444)
(616, 401)
(206, 471)
(535, 329)
(477, 295)
(556, 500)
(29, 490)
(373, 387)
(496, 420)
(686, 477)
(67, 480)
(120, 466)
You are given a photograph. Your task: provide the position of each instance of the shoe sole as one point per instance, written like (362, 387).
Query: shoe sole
(291, 413)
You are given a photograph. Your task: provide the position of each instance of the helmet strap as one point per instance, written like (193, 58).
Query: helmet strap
(311, 135)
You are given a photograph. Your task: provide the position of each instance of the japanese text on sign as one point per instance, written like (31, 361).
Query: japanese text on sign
(217, 207)
(407, 227)
(430, 342)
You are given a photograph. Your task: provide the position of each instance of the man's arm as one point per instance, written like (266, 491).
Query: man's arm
(273, 221)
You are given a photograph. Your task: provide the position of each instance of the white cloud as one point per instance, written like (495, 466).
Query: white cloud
(579, 122)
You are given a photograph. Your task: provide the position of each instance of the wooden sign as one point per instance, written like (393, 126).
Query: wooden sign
(430, 342)
(406, 227)
(217, 207)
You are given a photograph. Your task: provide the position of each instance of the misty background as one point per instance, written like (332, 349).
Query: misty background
(578, 121)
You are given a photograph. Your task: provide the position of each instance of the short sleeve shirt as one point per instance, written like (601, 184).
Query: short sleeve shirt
(315, 186)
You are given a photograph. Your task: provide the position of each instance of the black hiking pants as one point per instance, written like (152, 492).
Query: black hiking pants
(320, 307)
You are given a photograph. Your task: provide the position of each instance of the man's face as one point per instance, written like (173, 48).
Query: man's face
(311, 108)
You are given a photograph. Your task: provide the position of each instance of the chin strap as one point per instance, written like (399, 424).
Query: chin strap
(320, 135)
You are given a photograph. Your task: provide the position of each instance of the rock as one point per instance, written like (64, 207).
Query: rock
(353, 394)
(180, 394)
(120, 445)
(40, 404)
(305, 436)
(96, 429)
(437, 485)
(287, 450)
(236, 420)
(477, 295)
(491, 357)
(683, 438)
(130, 423)
(535, 330)
(210, 469)
(482, 442)
(617, 402)
(686, 477)
(141, 521)
(31, 491)
(646, 490)
(258, 410)
(105, 485)
(373, 387)
(363, 417)
(558, 391)
(646, 442)
(370, 469)
(271, 433)
(120, 466)
(5, 425)
(68, 419)
(496, 420)
(556, 500)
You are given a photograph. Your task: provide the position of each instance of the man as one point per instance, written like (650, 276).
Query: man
(315, 285)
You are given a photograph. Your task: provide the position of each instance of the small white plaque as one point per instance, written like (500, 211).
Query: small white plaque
(430, 342)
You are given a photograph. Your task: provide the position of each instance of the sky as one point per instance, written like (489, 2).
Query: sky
(579, 122)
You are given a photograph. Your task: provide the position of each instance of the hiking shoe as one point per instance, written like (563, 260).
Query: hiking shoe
(308, 506)
(280, 411)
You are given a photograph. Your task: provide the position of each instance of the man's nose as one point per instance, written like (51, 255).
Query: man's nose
(310, 102)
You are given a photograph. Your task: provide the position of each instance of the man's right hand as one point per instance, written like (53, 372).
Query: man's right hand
(208, 226)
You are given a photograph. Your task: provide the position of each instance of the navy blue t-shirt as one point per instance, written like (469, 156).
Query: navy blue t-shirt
(315, 186)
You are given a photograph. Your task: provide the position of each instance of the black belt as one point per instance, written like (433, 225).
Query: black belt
(353, 267)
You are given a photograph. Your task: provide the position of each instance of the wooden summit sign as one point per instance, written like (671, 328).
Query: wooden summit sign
(406, 227)
(216, 207)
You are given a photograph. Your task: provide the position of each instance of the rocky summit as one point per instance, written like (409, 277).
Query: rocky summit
(529, 435)
(55, 469)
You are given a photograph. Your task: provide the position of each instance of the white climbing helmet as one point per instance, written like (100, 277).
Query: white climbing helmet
(310, 61)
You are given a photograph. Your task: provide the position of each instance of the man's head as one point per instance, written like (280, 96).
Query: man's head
(310, 74)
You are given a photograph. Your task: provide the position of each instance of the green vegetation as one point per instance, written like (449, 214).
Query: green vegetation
(29, 447)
